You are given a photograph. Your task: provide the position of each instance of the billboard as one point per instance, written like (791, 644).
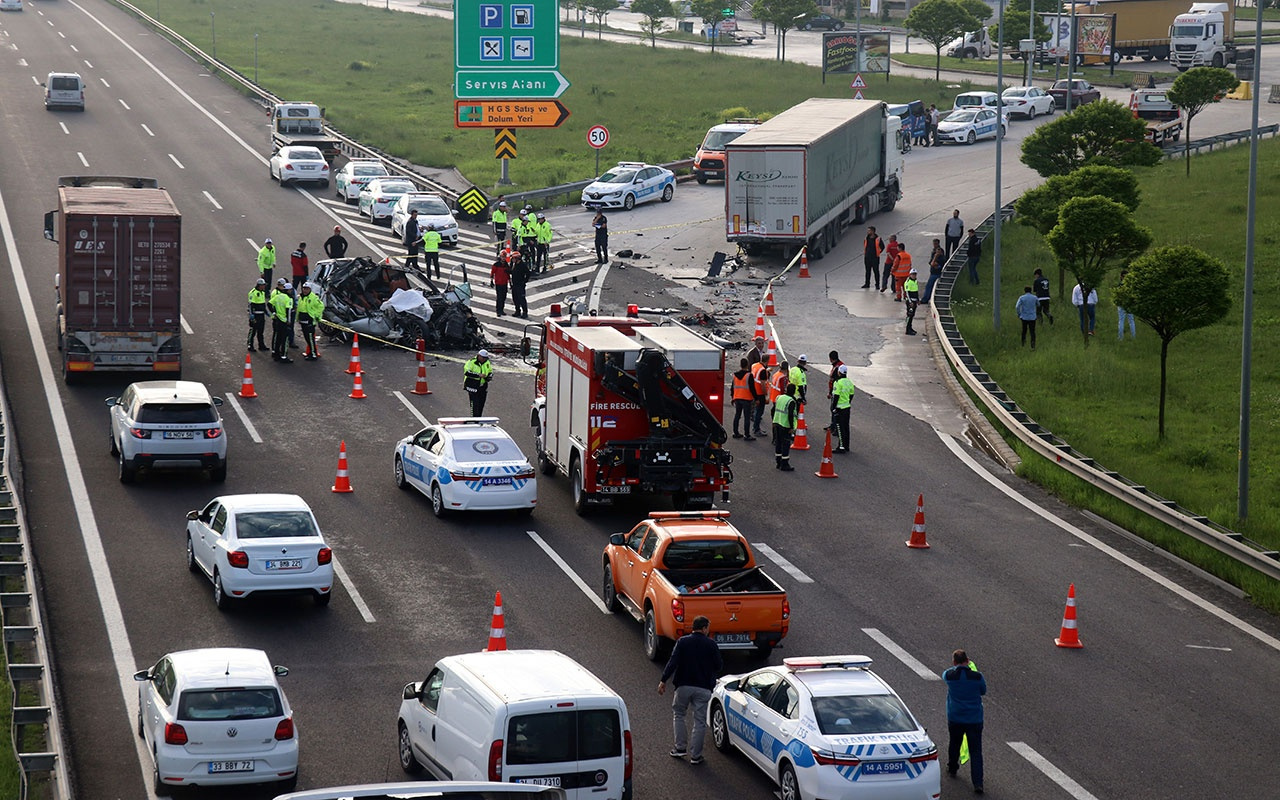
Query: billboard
(841, 52)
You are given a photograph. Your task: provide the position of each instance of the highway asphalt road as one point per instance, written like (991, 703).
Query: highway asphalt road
(1164, 699)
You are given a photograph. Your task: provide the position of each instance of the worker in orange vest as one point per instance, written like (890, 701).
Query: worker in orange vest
(760, 385)
(779, 381)
(744, 397)
(890, 256)
(901, 269)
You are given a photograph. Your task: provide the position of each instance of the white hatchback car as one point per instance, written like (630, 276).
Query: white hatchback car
(379, 196)
(299, 165)
(630, 183)
(432, 210)
(1027, 101)
(466, 464)
(167, 424)
(349, 180)
(826, 727)
(216, 717)
(253, 544)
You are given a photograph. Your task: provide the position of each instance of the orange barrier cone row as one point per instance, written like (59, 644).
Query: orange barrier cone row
(801, 441)
(759, 323)
(772, 350)
(768, 305)
(357, 388)
(918, 541)
(342, 484)
(804, 263)
(246, 383)
(354, 366)
(497, 629)
(1069, 636)
(421, 386)
(827, 470)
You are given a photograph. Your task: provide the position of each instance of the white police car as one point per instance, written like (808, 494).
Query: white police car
(466, 464)
(629, 183)
(826, 727)
(970, 125)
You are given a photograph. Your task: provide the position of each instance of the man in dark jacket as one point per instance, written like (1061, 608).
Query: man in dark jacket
(336, 245)
(412, 239)
(965, 688)
(695, 663)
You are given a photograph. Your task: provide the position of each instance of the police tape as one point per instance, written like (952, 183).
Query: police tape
(501, 348)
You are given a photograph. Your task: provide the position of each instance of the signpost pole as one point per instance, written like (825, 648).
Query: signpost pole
(597, 163)
(505, 180)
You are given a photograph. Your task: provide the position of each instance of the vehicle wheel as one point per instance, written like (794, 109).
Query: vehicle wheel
(191, 556)
(609, 592)
(401, 483)
(1116, 56)
(219, 473)
(324, 185)
(668, 193)
(141, 733)
(788, 786)
(763, 650)
(1177, 136)
(629, 202)
(720, 729)
(408, 762)
(159, 787)
(1004, 131)
(971, 138)
(701, 179)
(323, 599)
(270, 174)
(341, 195)
(655, 646)
(220, 598)
(289, 784)
(128, 472)
(1032, 113)
(437, 501)
(544, 464)
(1052, 108)
(1217, 60)
(580, 496)
(115, 451)
(1148, 57)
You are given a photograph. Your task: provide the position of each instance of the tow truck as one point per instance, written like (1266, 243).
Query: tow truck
(1163, 118)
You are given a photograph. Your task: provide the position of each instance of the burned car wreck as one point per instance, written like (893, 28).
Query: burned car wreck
(395, 304)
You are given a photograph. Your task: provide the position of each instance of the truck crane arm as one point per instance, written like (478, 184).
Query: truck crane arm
(673, 408)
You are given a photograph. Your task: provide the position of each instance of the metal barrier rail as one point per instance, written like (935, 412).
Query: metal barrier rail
(1177, 148)
(1231, 543)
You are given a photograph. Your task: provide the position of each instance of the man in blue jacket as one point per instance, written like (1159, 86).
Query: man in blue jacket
(965, 688)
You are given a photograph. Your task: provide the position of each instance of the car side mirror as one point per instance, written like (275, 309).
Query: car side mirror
(731, 686)
(193, 515)
(618, 539)
(217, 401)
(48, 226)
(411, 691)
(280, 671)
(142, 675)
(112, 402)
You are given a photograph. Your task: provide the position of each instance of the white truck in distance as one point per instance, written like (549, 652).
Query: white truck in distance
(973, 44)
(1203, 37)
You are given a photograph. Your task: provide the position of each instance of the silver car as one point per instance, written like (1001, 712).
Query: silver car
(167, 424)
(432, 210)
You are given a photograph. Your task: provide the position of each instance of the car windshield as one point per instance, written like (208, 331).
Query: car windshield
(1188, 31)
(369, 169)
(961, 116)
(229, 704)
(963, 101)
(274, 524)
(468, 451)
(395, 188)
(1015, 92)
(716, 140)
(877, 713)
(304, 154)
(176, 413)
(704, 554)
(617, 176)
(432, 206)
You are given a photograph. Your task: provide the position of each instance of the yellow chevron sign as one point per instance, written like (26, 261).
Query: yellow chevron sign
(504, 143)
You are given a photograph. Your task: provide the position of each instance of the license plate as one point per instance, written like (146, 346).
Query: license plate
(732, 638)
(883, 767)
(614, 490)
(178, 435)
(552, 781)
(285, 563)
(502, 481)
(230, 766)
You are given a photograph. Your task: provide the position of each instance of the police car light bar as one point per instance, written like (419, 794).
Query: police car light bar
(827, 662)
(467, 421)
(692, 515)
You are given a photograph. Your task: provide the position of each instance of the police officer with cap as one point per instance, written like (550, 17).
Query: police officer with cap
(281, 303)
(310, 312)
(544, 242)
(499, 220)
(476, 374)
(911, 290)
(799, 378)
(257, 314)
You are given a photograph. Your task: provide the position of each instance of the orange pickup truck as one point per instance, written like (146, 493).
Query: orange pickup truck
(678, 565)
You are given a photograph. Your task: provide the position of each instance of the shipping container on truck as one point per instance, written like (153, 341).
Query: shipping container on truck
(1141, 29)
(624, 406)
(804, 176)
(119, 276)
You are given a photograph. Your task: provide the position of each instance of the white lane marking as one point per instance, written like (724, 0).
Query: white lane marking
(186, 326)
(60, 33)
(73, 48)
(83, 160)
(148, 130)
(206, 194)
(777, 558)
(175, 160)
(88, 64)
(1150, 574)
(63, 125)
(244, 418)
(913, 664)
(35, 80)
(597, 286)
(573, 576)
(252, 244)
(126, 105)
(412, 410)
(361, 606)
(104, 82)
(1209, 647)
(1054, 774)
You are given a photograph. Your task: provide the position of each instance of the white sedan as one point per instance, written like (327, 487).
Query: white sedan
(251, 544)
(299, 165)
(216, 717)
(825, 727)
(349, 180)
(1027, 101)
(968, 127)
(465, 464)
(629, 183)
(379, 196)
(432, 210)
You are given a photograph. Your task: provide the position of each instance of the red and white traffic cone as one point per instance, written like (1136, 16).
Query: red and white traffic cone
(354, 366)
(1069, 635)
(246, 383)
(497, 628)
(918, 540)
(804, 262)
(827, 469)
(768, 304)
(772, 350)
(421, 386)
(759, 334)
(357, 388)
(342, 484)
(801, 440)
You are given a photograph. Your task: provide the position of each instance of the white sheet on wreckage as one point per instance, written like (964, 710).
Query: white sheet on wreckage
(408, 301)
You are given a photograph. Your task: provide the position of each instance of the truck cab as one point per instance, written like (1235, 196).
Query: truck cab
(301, 124)
(972, 44)
(1202, 37)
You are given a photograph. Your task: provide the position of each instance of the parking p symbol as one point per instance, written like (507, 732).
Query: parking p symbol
(490, 15)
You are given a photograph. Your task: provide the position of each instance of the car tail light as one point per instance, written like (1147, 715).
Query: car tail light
(836, 759)
(288, 167)
(238, 558)
(677, 610)
(284, 729)
(174, 733)
(786, 608)
(464, 476)
(495, 760)
(324, 556)
(213, 433)
(931, 754)
(139, 433)
(527, 474)
(324, 168)
(626, 755)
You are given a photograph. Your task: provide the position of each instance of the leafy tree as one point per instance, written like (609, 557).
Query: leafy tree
(1015, 29)
(1093, 235)
(783, 15)
(1103, 132)
(653, 12)
(938, 22)
(1173, 290)
(599, 9)
(1194, 90)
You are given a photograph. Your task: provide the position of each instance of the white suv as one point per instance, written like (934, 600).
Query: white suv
(167, 424)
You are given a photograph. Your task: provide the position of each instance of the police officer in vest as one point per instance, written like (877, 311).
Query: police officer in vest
(544, 242)
(310, 312)
(257, 313)
(784, 427)
(281, 323)
(431, 239)
(911, 290)
(499, 220)
(799, 377)
(476, 374)
(841, 406)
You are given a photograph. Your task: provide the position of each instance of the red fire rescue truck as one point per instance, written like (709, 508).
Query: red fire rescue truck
(626, 406)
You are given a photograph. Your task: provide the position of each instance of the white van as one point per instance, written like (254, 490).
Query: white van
(522, 716)
(64, 90)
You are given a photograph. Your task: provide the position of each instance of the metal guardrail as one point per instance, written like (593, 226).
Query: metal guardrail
(1056, 450)
(577, 186)
(1177, 148)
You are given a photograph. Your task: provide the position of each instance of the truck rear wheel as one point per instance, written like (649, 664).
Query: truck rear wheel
(655, 647)
(580, 495)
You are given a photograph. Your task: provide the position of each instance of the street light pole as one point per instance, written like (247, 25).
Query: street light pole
(1031, 34)
(1246, 349)
(1071, 61)
(995, 247)
(255, 58)
(214, 29)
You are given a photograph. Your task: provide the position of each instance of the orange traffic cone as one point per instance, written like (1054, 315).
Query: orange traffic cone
(246, 383)
(918, 541)
(801, 441)
(827, 470)
(804, 263)
(354, 366)
(772, 350)
(357, 388)
(768, 305)
(421, 386)
(759, 322)
(342, 483)
(1069, 636)
(497, 629)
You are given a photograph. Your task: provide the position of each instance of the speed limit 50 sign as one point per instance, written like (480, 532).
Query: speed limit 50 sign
(598, 136)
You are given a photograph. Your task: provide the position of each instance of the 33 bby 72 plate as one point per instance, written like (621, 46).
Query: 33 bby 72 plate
(230, 766)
